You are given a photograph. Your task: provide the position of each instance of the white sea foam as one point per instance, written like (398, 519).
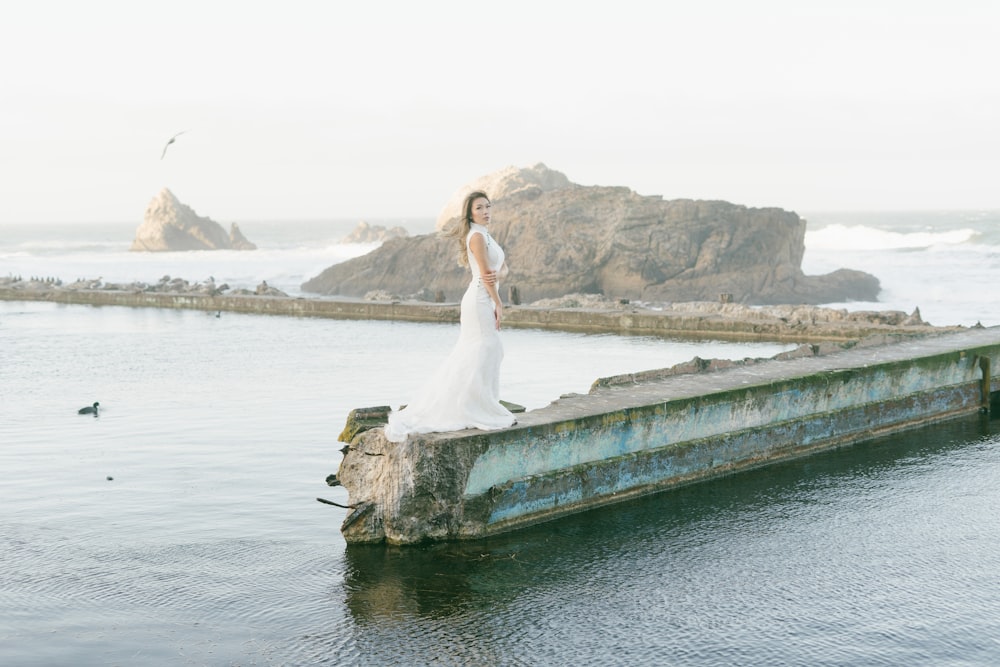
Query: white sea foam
(863, 237)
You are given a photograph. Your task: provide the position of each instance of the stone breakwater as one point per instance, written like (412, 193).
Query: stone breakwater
(578, 313)
(166, 285)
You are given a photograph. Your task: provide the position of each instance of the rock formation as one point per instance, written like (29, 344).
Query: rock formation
(237, 241)
(365, 233)
(562, 238)
(170, 225)
(501, 184)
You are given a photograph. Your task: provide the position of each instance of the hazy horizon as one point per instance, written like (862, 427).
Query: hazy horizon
(430, 220)
(312, 111)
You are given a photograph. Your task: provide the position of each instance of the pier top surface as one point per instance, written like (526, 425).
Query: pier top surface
(609, 399)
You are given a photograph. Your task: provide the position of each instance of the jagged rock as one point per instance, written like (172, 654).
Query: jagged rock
(365, 233)
(914, 318)
(364, 419)
(169, 225)
(792, 315)
(562, 238)
(381, 295)
(237, 241)
(584, 301)
(263, 289)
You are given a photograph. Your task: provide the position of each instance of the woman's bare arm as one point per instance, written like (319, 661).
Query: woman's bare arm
(477, 244)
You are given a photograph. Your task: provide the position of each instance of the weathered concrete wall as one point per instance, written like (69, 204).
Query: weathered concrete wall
(621, 441)
(258, 305)
(635, 321)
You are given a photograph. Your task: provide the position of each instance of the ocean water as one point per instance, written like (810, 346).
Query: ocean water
(942, 262)
(181, 525)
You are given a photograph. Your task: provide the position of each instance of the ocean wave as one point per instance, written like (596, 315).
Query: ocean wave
(862, 237)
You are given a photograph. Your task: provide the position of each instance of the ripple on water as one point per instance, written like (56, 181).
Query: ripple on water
(209, 548)
(194, 596)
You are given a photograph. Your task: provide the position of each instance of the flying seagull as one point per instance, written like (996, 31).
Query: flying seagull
(172, 139)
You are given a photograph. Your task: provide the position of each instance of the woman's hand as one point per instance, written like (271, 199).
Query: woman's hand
(489, 278)
(498, 313)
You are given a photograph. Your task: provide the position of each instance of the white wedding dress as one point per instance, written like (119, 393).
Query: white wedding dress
(464, 392)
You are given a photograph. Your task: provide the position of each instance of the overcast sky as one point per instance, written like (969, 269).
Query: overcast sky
(374, 110)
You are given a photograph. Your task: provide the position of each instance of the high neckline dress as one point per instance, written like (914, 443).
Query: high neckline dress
(464, 391)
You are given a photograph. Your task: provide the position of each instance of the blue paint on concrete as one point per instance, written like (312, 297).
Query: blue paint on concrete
(594, 457)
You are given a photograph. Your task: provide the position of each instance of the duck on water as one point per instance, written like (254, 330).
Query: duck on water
(89, 410)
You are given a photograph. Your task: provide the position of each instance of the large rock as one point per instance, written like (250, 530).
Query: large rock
(562, 238)
(170, 225)
(502, 184)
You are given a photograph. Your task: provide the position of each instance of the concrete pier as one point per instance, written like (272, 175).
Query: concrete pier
(626, 439)
(631, 320)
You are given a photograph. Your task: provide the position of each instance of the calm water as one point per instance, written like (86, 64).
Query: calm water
(207, 547)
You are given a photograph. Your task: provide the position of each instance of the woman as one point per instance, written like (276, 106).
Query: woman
(465, 390)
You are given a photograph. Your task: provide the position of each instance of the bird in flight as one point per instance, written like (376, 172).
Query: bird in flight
(172, 139)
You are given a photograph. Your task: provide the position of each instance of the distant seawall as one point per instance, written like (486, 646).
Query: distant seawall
(628, 320)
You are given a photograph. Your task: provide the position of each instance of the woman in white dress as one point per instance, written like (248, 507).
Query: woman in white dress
(465, 390)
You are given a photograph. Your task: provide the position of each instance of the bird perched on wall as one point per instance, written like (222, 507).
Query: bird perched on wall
(172, 140)
(89, 410)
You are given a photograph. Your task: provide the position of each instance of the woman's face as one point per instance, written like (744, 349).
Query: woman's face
(481, 211)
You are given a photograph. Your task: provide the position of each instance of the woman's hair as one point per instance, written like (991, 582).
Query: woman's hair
(461, 230)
